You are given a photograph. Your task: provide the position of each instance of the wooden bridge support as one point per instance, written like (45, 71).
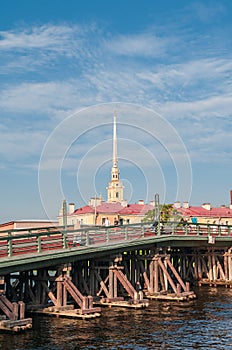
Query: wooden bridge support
(64, 287)
(160, 273)
(12, 316)
(214, 268)
(162, 281)
(44, 287)
(81, 276)
(135, 273)
(113, 285)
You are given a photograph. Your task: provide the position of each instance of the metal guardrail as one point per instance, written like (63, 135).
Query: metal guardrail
(35, 241)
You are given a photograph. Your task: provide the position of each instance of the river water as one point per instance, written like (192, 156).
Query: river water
(205, 323)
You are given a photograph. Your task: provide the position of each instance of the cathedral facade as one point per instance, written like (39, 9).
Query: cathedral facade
(114, 211)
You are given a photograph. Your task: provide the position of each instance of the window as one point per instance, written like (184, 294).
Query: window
(117, 195)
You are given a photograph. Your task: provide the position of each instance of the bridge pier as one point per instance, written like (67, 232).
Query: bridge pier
(153, 273)
(160, 265)
(215, 268)
(13, 318)
(47, 291)
(57, 293)
(162, 281)
(112, 285)
(209, 266)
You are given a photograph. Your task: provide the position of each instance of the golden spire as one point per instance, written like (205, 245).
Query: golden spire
(115, 188)
(115, 156)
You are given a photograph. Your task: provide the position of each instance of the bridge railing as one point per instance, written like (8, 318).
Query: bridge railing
(33, 230)
(16, 243)
(107, 234)
(200, 229)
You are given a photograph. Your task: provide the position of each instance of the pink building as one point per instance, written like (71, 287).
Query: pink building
(25, 224)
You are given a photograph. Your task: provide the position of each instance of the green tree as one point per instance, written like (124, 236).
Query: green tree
(167, 213)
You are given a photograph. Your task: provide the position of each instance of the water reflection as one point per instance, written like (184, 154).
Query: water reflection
(205, 323)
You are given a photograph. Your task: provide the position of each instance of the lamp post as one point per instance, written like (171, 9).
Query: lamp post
(64, 214)
(157, 212)
(95, 210)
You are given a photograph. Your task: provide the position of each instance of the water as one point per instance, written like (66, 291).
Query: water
(205, 323)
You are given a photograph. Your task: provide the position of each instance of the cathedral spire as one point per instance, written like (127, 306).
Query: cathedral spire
(115, 156)
(115, 188)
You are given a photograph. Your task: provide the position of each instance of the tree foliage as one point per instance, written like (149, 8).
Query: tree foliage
(167, 213)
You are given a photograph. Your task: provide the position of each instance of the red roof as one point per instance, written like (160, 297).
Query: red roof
(142, 209)
(105, 207)
(200, 211)
(136, 209)
(115, 208)
(87, 209)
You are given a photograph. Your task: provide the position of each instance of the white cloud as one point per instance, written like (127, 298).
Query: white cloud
(58, 98)
(44, 37)
(215, 106)
(99, 72)
(41, 97)
(144, 45)
(46, 47)
(189, 74)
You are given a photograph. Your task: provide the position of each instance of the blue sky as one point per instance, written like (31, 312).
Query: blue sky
(65, 66)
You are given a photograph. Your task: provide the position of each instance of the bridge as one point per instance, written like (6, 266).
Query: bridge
(73, 273)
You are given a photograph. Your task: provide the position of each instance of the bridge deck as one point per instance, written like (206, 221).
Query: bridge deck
(22, 249)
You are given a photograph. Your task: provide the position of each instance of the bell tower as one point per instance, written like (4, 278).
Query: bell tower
(115, 188)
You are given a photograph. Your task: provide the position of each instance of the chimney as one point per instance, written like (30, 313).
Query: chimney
(152, 203)
(185, 205)
(71, 208)
(206, 206)
(95, 202)
(141, 202)
(176, 205)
